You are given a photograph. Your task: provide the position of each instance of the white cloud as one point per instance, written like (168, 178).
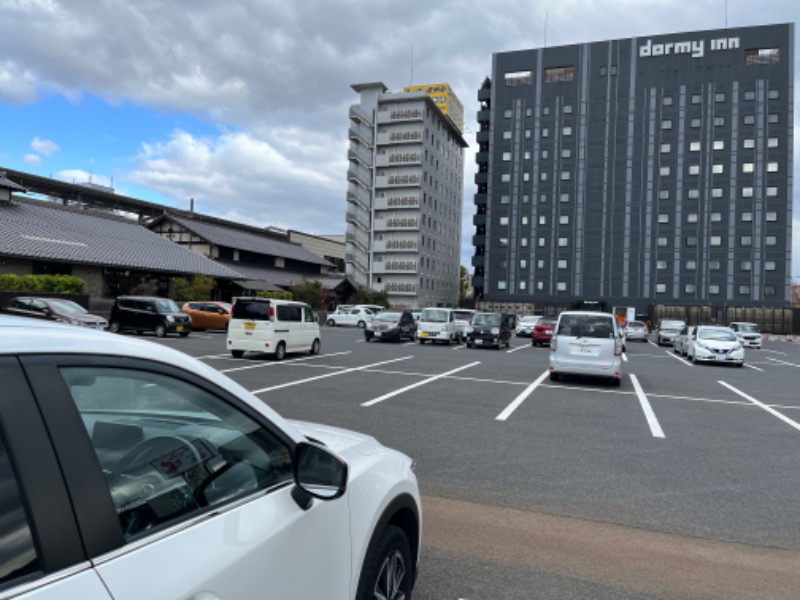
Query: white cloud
(46, 147)
(33, 159)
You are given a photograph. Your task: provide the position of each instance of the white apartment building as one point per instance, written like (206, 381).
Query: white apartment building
(404, 199)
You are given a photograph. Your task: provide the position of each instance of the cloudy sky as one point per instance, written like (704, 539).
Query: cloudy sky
(242, 104)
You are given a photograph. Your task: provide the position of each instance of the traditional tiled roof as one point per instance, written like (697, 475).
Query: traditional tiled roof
(7, 184)
(243, 239)
(33, 229)
(272, 279)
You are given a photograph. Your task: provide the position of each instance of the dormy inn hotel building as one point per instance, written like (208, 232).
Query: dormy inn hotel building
(649, 170)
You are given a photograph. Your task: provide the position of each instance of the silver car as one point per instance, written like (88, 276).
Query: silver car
(681, 341)
(667, 330)
(586, 343)
(712, 343)
(635, 330)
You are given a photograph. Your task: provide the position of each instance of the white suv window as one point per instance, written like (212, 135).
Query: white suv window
(169, 449)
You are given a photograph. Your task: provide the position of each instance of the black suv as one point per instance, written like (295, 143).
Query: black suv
(491, 329)
(147, 313)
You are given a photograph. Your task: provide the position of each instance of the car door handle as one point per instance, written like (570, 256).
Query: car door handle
(203, 596)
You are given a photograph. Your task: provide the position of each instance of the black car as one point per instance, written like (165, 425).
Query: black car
(491, 330)
(55, 309)
(393, 325)
(148, 313)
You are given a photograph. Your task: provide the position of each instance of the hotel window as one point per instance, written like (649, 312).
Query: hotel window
(527, 155)
(519, 78)
(506, 135)
(773, 118)
(691, 241)
(556, 74)
(772, 216)
(769, 265)
(749, 143)
(666, 124)
(566, 153)
(691, 218)
(663, 194)
(771, 240)
(693, 194)
(744, 290)
(562, 264)
(542, 198)
(715, 240)
(503, 220)
(661, 265)
(748, 167)
(773, 94)
(694, 123)
(527, 134)
(719, 145)
(665, 148)
(502, 263)
(745, 265)
(506, 156)
(561, 286)
(770, 290)
(716, 217)
(503, 242)
(542, 242)
(543, 176)
(667, 100)
(691, 265)
(524, 220)
(717, 169)
(772, 167)
(689, 288)
(563, 220)
(697, 98)
(719, 97)
(750, 95)
(568, 109)
(526, 198)
(747, 192)
(716, 192)
(663, 218)
(528, 112)
(542, 220)
(523, 285)
(714, 265)
(772, 143)
(662, 242)
(505, 177)
(563, 242)
(719, 121)
(546, 111)
(565, 175)
(523, 263)
(523, 242)
(526, 176)
(713, 289)
(564, 197)
(694, 169)
(694, 146)
(663, 171)
(545, 154)
(661, 288)
(545, 132)
(507, 113)
(540, 285)
(772, 192)
(504, 199)
(746, 240)
(501, 285)
(747, 217)
(540, 264)
(749, 119)
(567, 131)
(761, 56)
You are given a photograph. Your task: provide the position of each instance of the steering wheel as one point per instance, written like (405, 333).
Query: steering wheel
(166, 455)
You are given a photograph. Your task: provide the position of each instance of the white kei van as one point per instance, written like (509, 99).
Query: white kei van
(586, 343)
(272, 327)
(440, 325)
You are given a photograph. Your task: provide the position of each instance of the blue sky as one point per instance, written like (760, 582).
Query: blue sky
(243, 105)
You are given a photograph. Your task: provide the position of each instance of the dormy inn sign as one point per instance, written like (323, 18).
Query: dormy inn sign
(696, 48)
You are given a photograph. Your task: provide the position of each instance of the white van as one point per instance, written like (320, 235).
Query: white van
(440, 325)
(272, 327)
(586, 343)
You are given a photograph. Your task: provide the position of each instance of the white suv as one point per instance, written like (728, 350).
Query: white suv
(121, 457)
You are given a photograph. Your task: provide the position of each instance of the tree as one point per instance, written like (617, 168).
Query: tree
(312, 293)
(466, 291)
(200, 287)
(364, 295)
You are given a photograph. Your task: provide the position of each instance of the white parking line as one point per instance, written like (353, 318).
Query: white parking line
(624, 357)
(207, 356)
(782, 362)
(418, 384)
(518, 348)
(410, 344)
(769, 409)
(515, 404)
(459, 347)
(301, 381)
(652, 421)
(293, 360)
(749, 366)
(677, 357)
(774, 352)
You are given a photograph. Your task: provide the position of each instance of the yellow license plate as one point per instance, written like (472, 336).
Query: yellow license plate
(179, 328)
(423, 334)
(249, 326)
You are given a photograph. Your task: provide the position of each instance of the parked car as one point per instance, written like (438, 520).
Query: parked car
(667, 329)
(148, 313)
(119, 456)
(373, 308)
(55, 309)
(526, 324)
(543, 332)
(272, 326)
(680, 342)
(392, 325)
(635, 330)
(350, 317)
(748, 334)
(208, 314)
(714, 343)
(490, 330)
(586, 343)
(440, 325)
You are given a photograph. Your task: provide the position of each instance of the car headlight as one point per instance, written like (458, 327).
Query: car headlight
(170, 319)
(369, 326)
(736, 348)
(495, 331)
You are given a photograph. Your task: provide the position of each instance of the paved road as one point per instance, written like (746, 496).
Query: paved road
(682, 483)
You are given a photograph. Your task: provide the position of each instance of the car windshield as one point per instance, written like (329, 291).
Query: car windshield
(490, 319)
(672, 324)
(391, 317)
(529, 319)
(434, 316)
(587, 326)
(165, 305)
(546, 323)
(719, 335)
(748, 328)
(635, 324)
(67, 307)
(463, 315)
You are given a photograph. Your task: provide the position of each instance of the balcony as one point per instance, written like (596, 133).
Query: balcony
(479, 219)
(483, 136)
(359, 238)
(397, 181)
(360, 175)
(484, 115)
(357, 216)
(358, 257)
(395, 266)
(480, 199)
(356, 275)
(398, 201)
(478, 261)
(398, 158)
(408, 136)
(359, 114)
(479, 240)
(481, 157)
(361, 133)
(477, 282)
(360, 153)
(399, 115)
(400, 289)
(485, 95)
(481, 178)
(357, 194)
(396, 224)
(398, 245)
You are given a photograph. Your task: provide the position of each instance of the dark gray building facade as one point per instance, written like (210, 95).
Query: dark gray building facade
(641, 171)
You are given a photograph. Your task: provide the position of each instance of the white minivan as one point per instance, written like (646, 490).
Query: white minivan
(272, 326)
(440, 325)
(586, 343)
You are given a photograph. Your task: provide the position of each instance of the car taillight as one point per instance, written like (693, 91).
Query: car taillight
(617, 347)
(271, 311)
(553, 344)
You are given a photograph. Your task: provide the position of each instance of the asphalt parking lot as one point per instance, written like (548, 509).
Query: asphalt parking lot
(682, 483)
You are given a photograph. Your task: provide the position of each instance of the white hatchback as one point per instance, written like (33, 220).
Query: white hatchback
(131, 470)
(586, 343)
(713, 343)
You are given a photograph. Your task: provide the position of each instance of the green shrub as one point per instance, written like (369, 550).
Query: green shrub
(39, 284)
(276, 295)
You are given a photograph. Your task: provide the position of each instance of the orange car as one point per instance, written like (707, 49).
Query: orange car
(208, 314)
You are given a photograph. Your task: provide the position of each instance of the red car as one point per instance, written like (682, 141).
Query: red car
(543, 332)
